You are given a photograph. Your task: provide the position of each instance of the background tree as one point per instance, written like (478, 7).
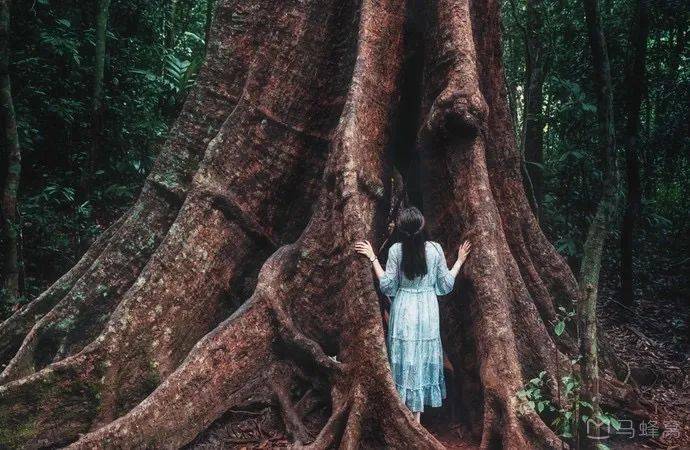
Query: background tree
(102, 10)
(601, 222)
(635, 82)
(53, 79)
(12, 155)
(535, 74)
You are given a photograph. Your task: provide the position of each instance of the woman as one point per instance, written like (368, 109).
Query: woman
(416, 272)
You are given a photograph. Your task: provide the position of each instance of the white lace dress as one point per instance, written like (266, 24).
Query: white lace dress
(414, 340)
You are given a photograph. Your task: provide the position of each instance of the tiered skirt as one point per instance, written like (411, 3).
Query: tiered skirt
(415, 352)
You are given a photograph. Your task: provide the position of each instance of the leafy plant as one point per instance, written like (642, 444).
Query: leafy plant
(563, 317)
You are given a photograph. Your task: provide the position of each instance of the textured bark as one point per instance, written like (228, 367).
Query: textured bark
(12, 167)
(635, 88)
(78, 300)
(313, 112)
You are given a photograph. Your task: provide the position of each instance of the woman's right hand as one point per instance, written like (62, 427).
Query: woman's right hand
(463, 251)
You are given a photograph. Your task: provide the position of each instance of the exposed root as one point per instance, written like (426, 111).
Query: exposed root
(538, 434)
(63, 396)
(331, 432)
(231, 208)
(307, 403)
(222, 371)
(82, 314)
(623, 397)
(291, 418)
(14, 329)
(353, 426)
(507, 427)
(291, 335)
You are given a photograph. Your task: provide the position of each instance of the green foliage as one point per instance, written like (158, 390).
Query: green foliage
(564, 418)
(564, 317)
(149, 70)
(562, 413)
(572, 166)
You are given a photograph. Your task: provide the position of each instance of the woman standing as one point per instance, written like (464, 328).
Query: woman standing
(416, 272)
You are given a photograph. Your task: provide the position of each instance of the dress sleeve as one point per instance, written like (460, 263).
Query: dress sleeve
(390, 280)
(444, 279)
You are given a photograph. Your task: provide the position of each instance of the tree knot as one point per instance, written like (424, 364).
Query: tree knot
(457, 113)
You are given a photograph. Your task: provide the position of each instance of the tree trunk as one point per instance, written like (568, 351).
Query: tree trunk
(170, 24)
(635, 87)
(601, 223)
(209, 19)
(674, 65)
(13, 165)
(302, 100)
(102, 11)
(535, 75)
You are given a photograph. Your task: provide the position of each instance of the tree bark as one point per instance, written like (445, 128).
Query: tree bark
(13, 166)
(306, 98)
(635, 86)
(170, 24)
(599, 227)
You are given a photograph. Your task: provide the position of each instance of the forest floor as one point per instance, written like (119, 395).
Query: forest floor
(653, 339)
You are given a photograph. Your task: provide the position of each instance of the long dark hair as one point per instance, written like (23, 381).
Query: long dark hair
(412, 233)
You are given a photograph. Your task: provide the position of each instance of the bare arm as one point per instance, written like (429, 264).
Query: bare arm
(463, 251)
(365, 248)
(389, 278)
(445, 278)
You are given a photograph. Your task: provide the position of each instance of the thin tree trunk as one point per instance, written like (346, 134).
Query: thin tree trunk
(171, 24)
(209, 19)
(674, 64)
(13, 165)
(635, 85)
(535, 74)
(601, 222)
(95, 151)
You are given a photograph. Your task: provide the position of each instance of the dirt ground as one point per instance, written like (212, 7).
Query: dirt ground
(652, 338)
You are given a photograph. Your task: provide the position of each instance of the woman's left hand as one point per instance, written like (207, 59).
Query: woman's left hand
(364, 247)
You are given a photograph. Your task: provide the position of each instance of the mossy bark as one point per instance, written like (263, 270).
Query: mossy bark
(601, 224)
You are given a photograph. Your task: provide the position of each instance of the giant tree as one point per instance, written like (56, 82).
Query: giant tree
(232, 283)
